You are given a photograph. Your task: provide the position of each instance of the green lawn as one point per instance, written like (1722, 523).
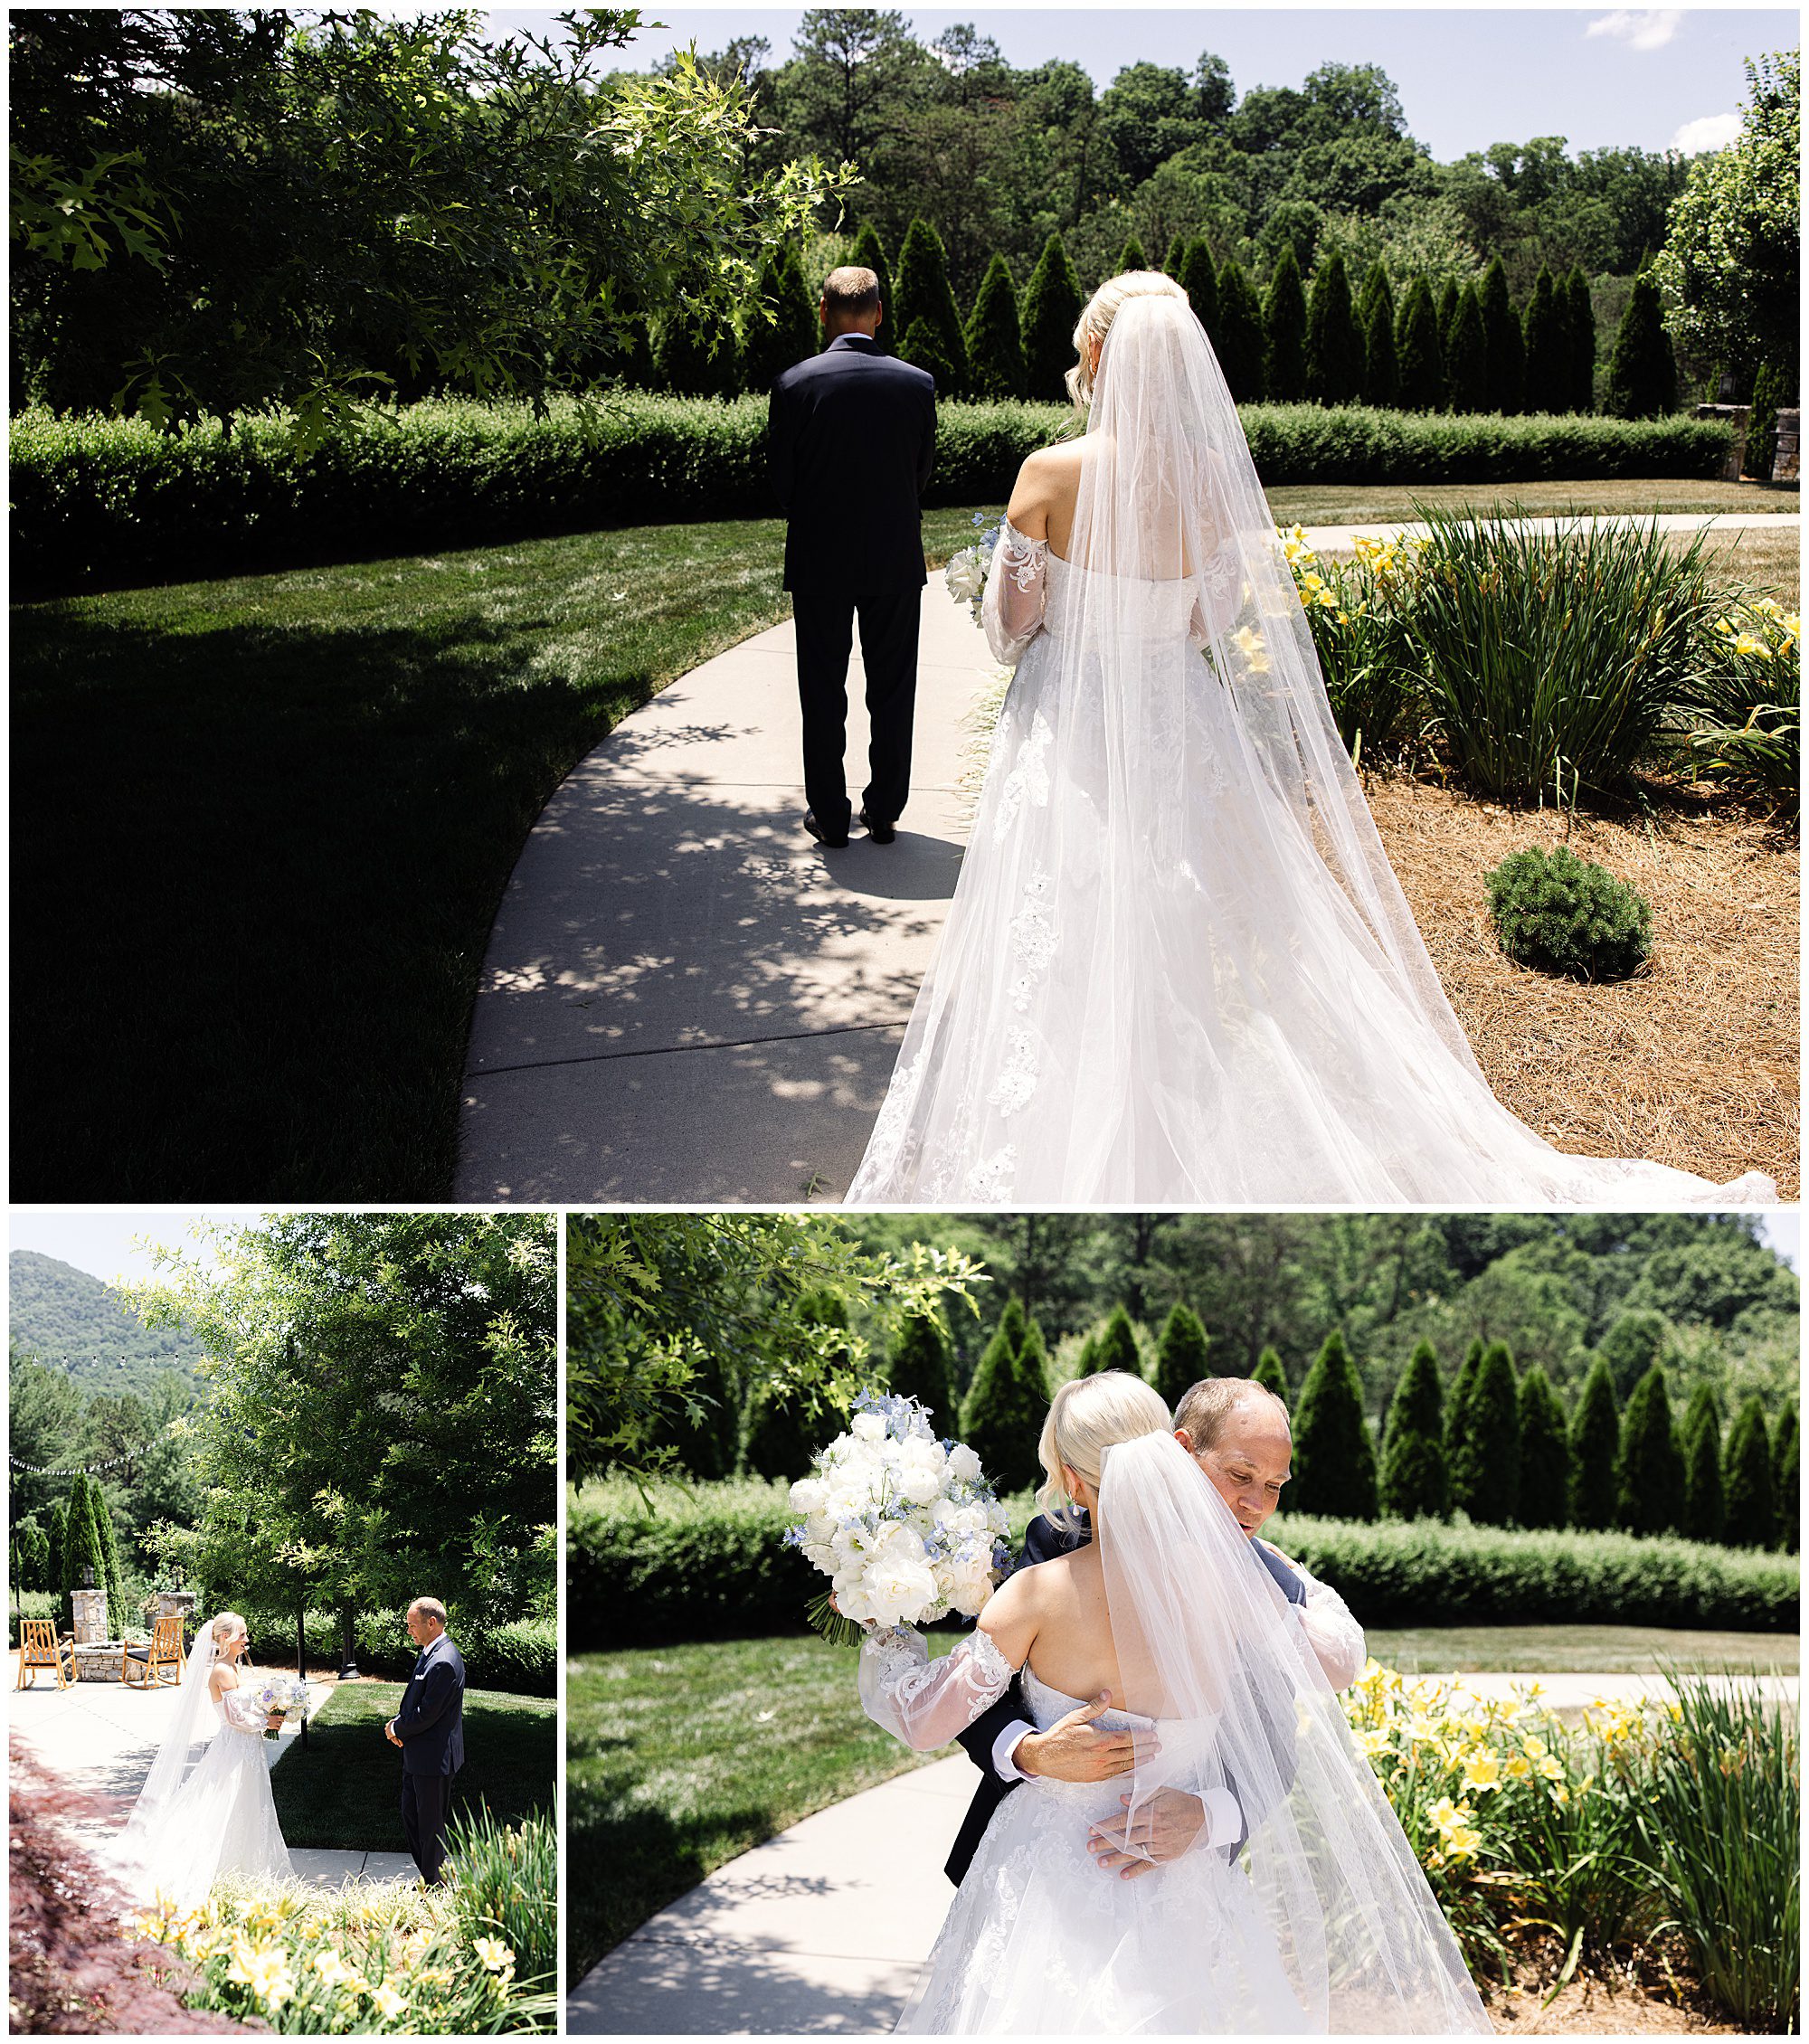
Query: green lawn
(345, 1789)
(261, 826)
(1592, 1650)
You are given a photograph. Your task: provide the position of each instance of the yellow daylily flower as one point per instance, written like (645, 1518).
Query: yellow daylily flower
(388, 2003)
(1481, 1770)
(492, 1952)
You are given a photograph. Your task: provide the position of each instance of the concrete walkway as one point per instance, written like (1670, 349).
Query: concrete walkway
(685, 999)
(823, 1928)
(101, 1737)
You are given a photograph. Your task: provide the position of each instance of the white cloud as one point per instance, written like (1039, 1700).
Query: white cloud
(1713, 131)
(1648, 28)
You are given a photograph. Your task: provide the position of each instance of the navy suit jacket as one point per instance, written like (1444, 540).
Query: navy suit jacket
(851, 439)
(431, 1723)
(1044, 1540)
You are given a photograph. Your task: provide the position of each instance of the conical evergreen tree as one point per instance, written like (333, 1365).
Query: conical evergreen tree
(1547, 377)
(1416, 1476)
(1118, 1348)
(1132, 255)
(1705, 1515)
(1180, 1355)
(1416, 349)
(1595, 1445)
(1052, 304)
(1455, 1405)
(791, 336)
(109, 1556)
(784, 1431)
(922, 292)
(1087, 1364)
(1198, 278)
(1450, 301)
(1786, 1464)
(1504, 349)
(1272, 1375)
(1466, 363)
(923, 348)
(922, 1366)
(1642, 369)
(995, 348)
(1284, 331)
(1649, 1470)
(689, 361)
(1334, 344)
(1239, 338)
(1334, 1464)
(1485, 1476)
(1177, 255)
(82, 1546)
(56, 1521)
(1746, 1480)
(1007, 1403)
(1375, 315)
(1770, 388)
(869, 253)
(1580, 327)
(1545, 1454)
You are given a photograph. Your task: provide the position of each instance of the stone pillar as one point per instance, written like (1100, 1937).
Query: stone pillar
(90, 1617)
(1785, 468)
(182, 1601)
(1736, 416)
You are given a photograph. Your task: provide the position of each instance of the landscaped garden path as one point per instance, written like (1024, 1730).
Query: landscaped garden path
(686, 998)
(824, 1927)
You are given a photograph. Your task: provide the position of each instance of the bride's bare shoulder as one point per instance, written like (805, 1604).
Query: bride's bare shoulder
(1046, 482)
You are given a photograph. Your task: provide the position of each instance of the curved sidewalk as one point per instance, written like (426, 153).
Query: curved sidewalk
(685, 999)
(822, 1929)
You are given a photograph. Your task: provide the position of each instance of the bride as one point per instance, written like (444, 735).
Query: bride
(202, 1815)
(1308, 1914)
(1178, 966)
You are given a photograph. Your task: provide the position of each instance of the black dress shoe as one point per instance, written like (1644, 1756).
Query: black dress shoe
(822, 836)
(881, 833)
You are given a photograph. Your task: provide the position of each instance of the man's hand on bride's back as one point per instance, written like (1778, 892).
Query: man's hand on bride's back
(1075, 1749)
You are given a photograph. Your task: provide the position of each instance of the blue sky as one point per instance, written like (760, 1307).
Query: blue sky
(1467, 77)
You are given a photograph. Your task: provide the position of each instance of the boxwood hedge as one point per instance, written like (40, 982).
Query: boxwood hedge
(708, 1564)
(108, 503)
(522, 1656)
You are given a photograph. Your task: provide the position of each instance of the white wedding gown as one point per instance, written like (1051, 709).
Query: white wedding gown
(1178, 968)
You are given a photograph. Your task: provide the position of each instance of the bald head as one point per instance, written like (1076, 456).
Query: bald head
(1238, 1431)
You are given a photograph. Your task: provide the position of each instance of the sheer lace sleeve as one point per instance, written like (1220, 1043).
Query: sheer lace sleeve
(925, 1703)
(1012, 608)
(241, 1710)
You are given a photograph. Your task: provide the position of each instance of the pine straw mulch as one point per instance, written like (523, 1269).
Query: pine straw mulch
(1650, 1990)
(1692, 1063)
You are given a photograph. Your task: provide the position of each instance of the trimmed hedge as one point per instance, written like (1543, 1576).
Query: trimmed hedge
(522, 1656)
(99, 502)
(708, 1564)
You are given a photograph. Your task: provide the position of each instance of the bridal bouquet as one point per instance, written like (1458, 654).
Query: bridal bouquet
(905, 1527)
(967, 571)
(278, 1696)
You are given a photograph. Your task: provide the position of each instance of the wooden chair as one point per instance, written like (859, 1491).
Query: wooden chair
(142, 1667)
(41, 1650)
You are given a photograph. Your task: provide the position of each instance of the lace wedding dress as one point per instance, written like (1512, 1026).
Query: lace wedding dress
(1178, 967)
(206, 1808)
(1311, 1915)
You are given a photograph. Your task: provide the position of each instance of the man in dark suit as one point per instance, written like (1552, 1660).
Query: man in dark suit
(429, 1729)
(851, 436)
(1238, 1433)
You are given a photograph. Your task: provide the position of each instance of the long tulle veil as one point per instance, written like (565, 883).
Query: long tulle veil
(196, 1719)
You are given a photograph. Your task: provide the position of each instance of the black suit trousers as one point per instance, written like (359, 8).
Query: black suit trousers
(425, 1804)
(825, 619)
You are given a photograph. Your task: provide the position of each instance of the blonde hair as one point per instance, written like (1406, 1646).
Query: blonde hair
(1095, 321)
(227, 1625)
(1088, 1416)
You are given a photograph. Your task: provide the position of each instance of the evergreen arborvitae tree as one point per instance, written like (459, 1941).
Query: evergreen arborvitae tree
(922, 1366)
(1052, 304)
(1466, 363)
(1239, 338)
(1705, 1515)
(923, 348)
(1649, 1469)
(869, 253)
(109, 1555)
(1284, 331)
(1485, 1477)
(1087, 1364)
(1771, 390)
(1642, 369)
(1545, 1454)
(995, 346)
(784, 1431)
(923, 292)
(1459, 1399)
(1787, 1478)
(56, 1521)
(1334, 342)
(1746, 1480)
(1177, 255)
(791, 336)
(1416, 1475)
(1504, 347)
(82, 1546)
(1334, 1464)
(1548, 379)
(1271, 1375)
(1416, 350)
(1595, 1444)
(1007, 1403)
(1198, 278)
(1450, 301)
(692, 361)
(1118, 1348)
(1580, 326)
(1381, 364)
(1180, 1355)
(1132, 255)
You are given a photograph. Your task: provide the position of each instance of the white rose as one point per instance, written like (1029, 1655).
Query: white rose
(808, 1495)
(921, 1486)
(899, 1590)
(963, 1464)
(868, 1426)
(898, 1542)
(855, 1604)
(963, 575)
(968, 1593)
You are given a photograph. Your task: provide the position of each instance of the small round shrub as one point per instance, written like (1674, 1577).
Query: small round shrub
(1560, 914)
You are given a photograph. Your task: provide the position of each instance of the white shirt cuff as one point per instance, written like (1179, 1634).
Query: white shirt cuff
(1223, 1816)
(1005, 1745)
